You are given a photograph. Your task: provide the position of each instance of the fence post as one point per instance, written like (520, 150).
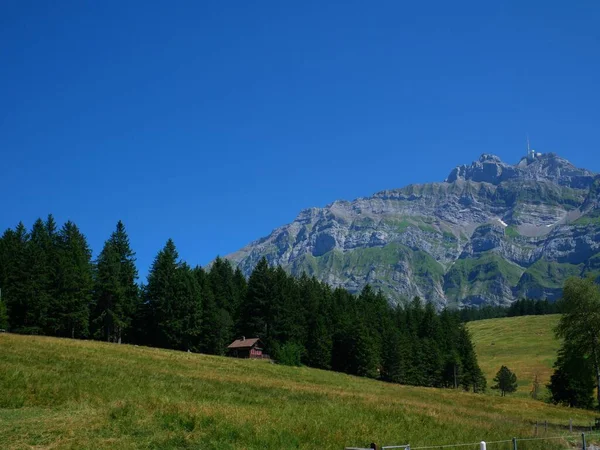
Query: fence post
(583, 440)
(482, 446)
(373, 446)
(514, 443)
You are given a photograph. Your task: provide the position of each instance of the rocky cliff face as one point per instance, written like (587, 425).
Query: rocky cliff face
(491, 233)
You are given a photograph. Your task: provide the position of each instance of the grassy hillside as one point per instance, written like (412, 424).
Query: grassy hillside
(526, 345)
(59, 393)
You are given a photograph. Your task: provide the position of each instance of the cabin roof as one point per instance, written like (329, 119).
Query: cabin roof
(244, 343)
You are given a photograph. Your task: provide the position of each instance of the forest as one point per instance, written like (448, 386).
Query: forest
(51, 286)
(521, 307)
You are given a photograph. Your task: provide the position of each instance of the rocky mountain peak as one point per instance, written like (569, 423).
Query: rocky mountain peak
(535, 166)
(489, 158)
(487, 169)
(491, 233)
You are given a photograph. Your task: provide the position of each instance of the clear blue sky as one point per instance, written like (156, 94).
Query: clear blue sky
(214, 122)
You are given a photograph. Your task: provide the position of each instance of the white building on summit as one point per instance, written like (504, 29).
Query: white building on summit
(532, 155)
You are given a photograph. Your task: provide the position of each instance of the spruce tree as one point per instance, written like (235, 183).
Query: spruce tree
(4, 323)
(365, 356)
(255, 311)
(222, 302)
(115, 290)
(393, 361)
(580, 322)
(16, 283)
(241, 287)
(506, 381)
(216, 324)
(572, 382)
(430, 337)
(174, 303)
(470, 375)
(40, 250)
(68, 311)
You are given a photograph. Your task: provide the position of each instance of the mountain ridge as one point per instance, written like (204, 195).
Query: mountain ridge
(490, 233)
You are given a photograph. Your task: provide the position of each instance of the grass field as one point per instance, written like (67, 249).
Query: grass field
(526, 345)
(60, 393)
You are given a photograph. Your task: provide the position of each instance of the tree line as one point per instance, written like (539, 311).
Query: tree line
(51, 286)
(521, 307)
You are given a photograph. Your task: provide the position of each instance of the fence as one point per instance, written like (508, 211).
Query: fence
(567, 441)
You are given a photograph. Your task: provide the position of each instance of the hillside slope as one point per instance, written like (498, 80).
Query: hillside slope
(526, 345)
(59, 393)
(491, 233)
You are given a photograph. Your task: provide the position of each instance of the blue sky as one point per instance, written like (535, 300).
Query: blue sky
(215, 122)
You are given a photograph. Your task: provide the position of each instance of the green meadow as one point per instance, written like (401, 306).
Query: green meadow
(71, 394)
(526, 345)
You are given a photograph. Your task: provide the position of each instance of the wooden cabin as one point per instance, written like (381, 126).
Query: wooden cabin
(246, 348)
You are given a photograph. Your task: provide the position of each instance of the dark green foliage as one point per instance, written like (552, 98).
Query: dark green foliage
(3, 316)
(116, 294)
(579, 326)
(173, 299)
(572, 382)
(217, 323)
(15, 278)
(49, 285)
(288, 354)
(469, 373)
(522, 307)
(506, 381)
(68, 310)
(255, 312)
(222, 296)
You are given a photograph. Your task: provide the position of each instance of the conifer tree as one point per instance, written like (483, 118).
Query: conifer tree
(115, 291)
(506, 381)
(40, 250)
(572, 382)
(241, 287)
(16, 283)
(393, 358)
(4, 324)
(319, 343)
(173, 298)
(222, 305)
(217, 324)
(318, 324)
(470, 374)
(255, 311)
(364, 359)
(68, 310)
(430, 337)
(289, 303)
(580, 322)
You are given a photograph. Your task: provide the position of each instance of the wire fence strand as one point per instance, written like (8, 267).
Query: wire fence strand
(567, 437)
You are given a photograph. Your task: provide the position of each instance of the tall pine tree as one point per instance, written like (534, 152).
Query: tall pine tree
(68, 310)
(173, 299)
(16, 280)
(255, 311)
(115, 289)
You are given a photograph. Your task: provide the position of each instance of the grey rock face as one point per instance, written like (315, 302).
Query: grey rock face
(490, 233)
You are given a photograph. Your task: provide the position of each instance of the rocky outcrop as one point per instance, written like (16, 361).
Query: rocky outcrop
(490, 233)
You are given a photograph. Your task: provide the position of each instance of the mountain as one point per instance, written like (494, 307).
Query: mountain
(490, 233)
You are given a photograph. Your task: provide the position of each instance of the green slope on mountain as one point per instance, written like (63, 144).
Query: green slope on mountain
(381, 266)
(475, 277)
